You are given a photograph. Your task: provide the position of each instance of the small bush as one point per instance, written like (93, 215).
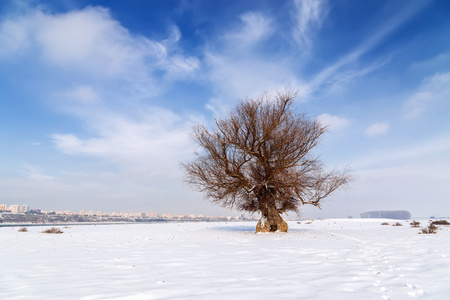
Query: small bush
(414, 224)
(431, 229)
(440, 222)
(385, 223)
(397, 224)
(23, 229)
(53, 230)
(308, 222)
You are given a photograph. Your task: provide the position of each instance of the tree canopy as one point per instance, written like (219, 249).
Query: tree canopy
(260, 159)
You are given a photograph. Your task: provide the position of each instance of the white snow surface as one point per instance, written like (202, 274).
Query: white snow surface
(327, 259)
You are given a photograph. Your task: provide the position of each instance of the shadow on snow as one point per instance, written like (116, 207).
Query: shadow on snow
(249, 228)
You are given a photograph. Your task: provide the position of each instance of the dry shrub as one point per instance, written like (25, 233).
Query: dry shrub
(431, 229)
(53, 230)
(23, 229)
(440, 222)
(414, 223)
(397, 224)
(385, 223)
(308, 222)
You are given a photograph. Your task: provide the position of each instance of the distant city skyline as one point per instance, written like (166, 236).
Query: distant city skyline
(22, 214)
(24, 208)
(99, 97)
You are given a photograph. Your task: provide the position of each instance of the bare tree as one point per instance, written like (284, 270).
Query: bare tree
(259, 159)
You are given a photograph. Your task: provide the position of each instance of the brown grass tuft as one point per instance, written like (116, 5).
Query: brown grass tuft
(397, 224)
(440, 222)
(431, 229)
(414, 223)
(23, 229)
(385, 223)
(53, 230)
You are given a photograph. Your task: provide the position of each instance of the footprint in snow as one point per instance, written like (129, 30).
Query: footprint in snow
(416, 290)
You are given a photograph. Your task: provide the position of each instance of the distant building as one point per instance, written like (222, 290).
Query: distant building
(167, 216)
(388, 214)
(19, 209)
(153, 215)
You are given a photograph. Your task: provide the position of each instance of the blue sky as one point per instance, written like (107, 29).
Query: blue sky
(98, 97)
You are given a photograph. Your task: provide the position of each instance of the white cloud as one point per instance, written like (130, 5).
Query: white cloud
(432, 90)
(14, 37)
(254, 28)
(334, 72)
(334, 123)
(309, 15)
(218, 107)
(340, 80)
(84, 94)
(179, 67)
(239, 77)
(91, 42)
(238, 70)
(240, 66)
(157, 141)
(105, 76)
(377, 129)
(439, 62)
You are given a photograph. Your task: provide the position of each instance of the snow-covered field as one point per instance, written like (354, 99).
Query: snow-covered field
(327, 259)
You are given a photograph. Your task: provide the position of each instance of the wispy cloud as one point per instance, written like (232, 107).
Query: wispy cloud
(432, 91)
(254, 27)
(334, 123)
(84, 94)
(432, 65)
(377, 129)
(308, 16)
(99, 74)
(92, 43)
(157, 140)
(377, 37)
(240, 67)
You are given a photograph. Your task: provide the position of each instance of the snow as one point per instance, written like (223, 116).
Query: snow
(327, 259)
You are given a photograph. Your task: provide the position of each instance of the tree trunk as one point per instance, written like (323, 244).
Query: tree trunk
(271, 221)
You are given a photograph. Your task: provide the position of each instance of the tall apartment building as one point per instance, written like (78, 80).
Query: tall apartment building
(3, 207)
(19, 209)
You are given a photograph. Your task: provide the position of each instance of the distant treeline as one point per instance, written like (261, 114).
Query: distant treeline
(388, 214)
